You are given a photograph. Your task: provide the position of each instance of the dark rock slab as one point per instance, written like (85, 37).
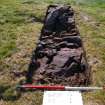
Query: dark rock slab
(59, 57)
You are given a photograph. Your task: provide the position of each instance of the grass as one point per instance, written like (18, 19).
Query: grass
(94, 29)
(20, 25)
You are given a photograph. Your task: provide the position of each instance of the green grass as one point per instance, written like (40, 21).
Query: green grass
(12, 15)
(94, 30)
(20, 25)
(7, 40)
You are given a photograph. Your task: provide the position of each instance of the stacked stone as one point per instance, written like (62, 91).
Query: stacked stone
(59, 57)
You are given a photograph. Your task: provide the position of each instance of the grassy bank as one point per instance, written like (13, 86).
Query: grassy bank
(20, 25)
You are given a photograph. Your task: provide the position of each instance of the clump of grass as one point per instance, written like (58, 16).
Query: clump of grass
(11, 94)
(7, 40)
(3, 87)
(8, 91)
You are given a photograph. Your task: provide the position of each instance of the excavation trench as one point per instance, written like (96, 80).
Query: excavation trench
(59, 57)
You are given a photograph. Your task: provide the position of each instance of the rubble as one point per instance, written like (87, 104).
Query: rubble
(59, 57)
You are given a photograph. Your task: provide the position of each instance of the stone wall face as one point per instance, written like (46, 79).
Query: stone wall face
(59, 57)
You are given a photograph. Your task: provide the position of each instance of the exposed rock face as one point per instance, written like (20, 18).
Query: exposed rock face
(59, 57)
